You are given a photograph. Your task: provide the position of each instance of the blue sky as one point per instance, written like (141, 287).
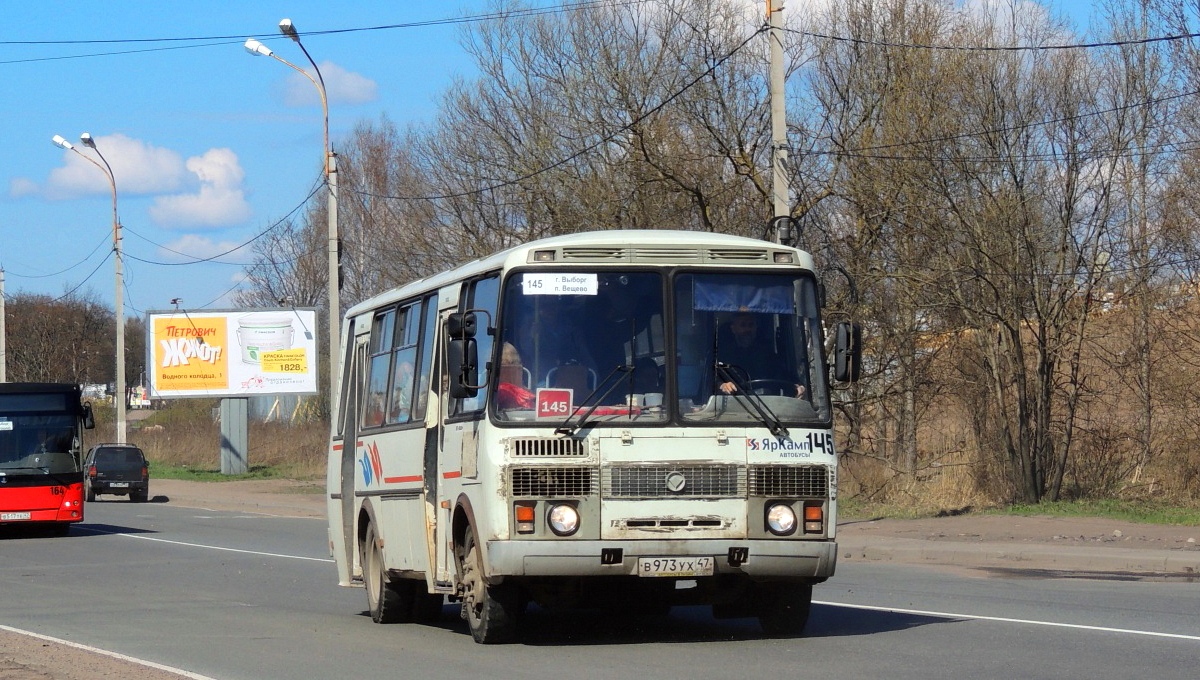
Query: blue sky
(209, 144)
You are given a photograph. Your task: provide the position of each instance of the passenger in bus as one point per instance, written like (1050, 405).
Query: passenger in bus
(512, 390)
(401, 401)
(750, 356)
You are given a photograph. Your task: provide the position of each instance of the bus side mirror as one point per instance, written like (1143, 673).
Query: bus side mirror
(89, 420)
(847, 353)
(461, 325)
(463, 365)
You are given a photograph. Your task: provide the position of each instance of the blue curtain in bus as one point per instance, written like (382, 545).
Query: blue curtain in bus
(724, 296)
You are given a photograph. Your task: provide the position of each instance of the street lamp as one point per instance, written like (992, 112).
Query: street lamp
(257, 48)
(119, 294)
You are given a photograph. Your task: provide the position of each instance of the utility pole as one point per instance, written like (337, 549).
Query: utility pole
(3, 333)
(779, 145)
(333, 249)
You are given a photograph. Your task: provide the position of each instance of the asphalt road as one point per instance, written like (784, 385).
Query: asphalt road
(232, 595)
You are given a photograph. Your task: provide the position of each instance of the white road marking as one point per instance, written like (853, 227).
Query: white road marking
(979, 617)
(105, 652)
(209, 547)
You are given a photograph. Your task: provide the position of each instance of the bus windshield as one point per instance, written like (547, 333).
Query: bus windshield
(749, 348)
(38, 444)
(599, 346)
(582, 341)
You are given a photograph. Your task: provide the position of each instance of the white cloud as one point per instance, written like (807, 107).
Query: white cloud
(137, 167)
(194, 246)
(220, 200)
(341, 87)
(20, 186)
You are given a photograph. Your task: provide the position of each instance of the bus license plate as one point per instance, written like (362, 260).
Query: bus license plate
(14, 516)
(675, 566)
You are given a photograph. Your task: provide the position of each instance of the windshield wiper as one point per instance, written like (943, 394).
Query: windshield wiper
(566, 428)
(764, 412)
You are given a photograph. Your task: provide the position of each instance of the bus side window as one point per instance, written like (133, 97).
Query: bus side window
(425, 370)
(374, 404)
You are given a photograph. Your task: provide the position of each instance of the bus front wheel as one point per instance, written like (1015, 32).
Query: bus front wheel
(491, 611)
(783, 609)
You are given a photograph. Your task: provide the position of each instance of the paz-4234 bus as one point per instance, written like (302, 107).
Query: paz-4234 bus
(628, 419)
(41, 440)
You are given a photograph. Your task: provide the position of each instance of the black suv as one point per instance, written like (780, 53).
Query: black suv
(118, 469)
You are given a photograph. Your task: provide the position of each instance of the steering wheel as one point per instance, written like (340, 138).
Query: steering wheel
(772, 387)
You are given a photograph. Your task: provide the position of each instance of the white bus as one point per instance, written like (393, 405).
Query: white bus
(633, 419)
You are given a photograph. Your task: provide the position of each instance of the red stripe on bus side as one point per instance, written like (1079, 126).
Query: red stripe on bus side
(402, 480)
(451, 475)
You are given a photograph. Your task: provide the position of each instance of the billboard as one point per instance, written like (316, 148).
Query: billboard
(231, 353)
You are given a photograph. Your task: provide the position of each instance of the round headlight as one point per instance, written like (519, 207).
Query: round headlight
(781, 519)
(563, 520)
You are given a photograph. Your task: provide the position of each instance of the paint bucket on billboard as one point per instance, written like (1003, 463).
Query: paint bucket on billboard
(258, 333)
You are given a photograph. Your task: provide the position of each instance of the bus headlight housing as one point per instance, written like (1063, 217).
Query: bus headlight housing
(563, 519)
(781, 519)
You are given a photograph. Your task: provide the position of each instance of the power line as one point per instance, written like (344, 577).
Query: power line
(219, 40)
(99, 245)
(717, 63)
(999, 48)
(87, 278)
(214, 258)
(1008, 128)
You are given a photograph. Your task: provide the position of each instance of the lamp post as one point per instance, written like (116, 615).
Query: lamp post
(119, 294)
(257, 48)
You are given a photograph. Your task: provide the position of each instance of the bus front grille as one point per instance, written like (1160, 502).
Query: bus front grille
(543, 447)
(552, 482)
(674, 481)
(789, 481)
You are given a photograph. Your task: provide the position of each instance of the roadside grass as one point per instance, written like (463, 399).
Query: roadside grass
(190, 474)
(1137, 511)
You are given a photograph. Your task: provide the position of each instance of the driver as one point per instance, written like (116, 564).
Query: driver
(751, 355)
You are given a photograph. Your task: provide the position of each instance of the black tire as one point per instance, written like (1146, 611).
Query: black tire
(89, 492)
(427, 607)
(138, 496)
(783, 608)
(388, 601)
(492, 612)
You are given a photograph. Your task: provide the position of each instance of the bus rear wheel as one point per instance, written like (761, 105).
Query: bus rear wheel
(388, 601)
(491, 611)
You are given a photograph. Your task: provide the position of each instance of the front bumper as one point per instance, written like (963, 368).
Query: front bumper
(767, 559)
